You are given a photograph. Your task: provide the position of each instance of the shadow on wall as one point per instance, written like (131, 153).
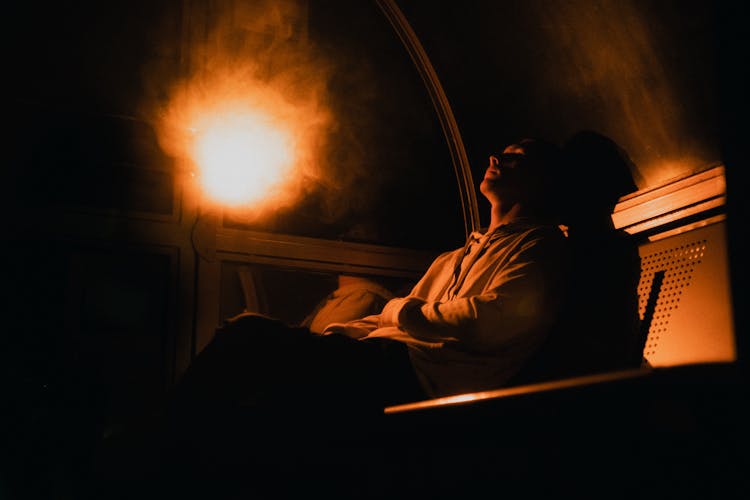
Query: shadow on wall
(599, 327)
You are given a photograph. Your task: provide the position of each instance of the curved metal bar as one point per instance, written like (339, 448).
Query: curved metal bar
(448, 122)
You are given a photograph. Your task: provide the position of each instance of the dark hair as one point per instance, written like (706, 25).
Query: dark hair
(547, 166)
(541, 153)
(593, 159)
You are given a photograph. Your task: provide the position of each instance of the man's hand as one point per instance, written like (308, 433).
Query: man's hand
(349, 329)
(396, 310)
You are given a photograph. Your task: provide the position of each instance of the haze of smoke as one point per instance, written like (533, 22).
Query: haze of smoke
(604, 55)
(258, 53)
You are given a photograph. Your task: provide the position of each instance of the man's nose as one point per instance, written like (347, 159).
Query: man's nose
(494, 161)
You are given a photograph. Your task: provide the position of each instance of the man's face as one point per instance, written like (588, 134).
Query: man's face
(504, 173)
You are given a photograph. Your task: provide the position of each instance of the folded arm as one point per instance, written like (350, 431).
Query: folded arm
(518, 298)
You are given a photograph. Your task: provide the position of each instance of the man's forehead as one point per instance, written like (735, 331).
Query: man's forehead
(514, 149)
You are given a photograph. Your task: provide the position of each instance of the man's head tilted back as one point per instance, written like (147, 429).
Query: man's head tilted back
(527, 172)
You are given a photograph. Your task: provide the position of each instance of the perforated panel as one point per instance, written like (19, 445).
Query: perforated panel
(691, 319)
(678, 265)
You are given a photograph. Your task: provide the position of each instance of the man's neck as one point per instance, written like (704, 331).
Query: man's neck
(499, 215)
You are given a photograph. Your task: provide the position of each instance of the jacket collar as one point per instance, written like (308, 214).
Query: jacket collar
(517, 224)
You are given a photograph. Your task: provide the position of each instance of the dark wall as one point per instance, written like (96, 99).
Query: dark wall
(731, 41)
(99, 291)
(642, 72)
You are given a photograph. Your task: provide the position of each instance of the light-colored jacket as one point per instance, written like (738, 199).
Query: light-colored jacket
(480, 311)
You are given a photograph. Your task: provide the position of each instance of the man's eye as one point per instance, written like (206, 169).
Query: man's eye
(511, 160)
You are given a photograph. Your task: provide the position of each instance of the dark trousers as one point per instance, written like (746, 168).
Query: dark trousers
(265, 401)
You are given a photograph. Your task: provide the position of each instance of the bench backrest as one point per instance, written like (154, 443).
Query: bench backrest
(691, 319)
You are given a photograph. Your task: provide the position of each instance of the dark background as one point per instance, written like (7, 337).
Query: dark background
(100, 267)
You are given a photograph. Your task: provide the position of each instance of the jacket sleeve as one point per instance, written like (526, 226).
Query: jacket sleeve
(363, 327)
(521, 298)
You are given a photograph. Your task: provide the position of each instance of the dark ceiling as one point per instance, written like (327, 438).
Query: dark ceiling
(660, 78)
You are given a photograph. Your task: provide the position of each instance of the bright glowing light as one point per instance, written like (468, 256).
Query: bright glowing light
(252, 144)
(242, 156)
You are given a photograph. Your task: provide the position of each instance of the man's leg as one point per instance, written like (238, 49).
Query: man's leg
(264, 396)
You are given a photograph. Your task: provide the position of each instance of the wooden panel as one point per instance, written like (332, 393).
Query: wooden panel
(322, 254)
(684, 202)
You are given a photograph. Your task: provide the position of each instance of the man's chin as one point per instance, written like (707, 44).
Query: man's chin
(487, 186)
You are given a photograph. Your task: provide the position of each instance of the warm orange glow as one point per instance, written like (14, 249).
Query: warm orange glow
(463, 398)
(252, 145)
(241, 156)
(662, 171)
(249, 122)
